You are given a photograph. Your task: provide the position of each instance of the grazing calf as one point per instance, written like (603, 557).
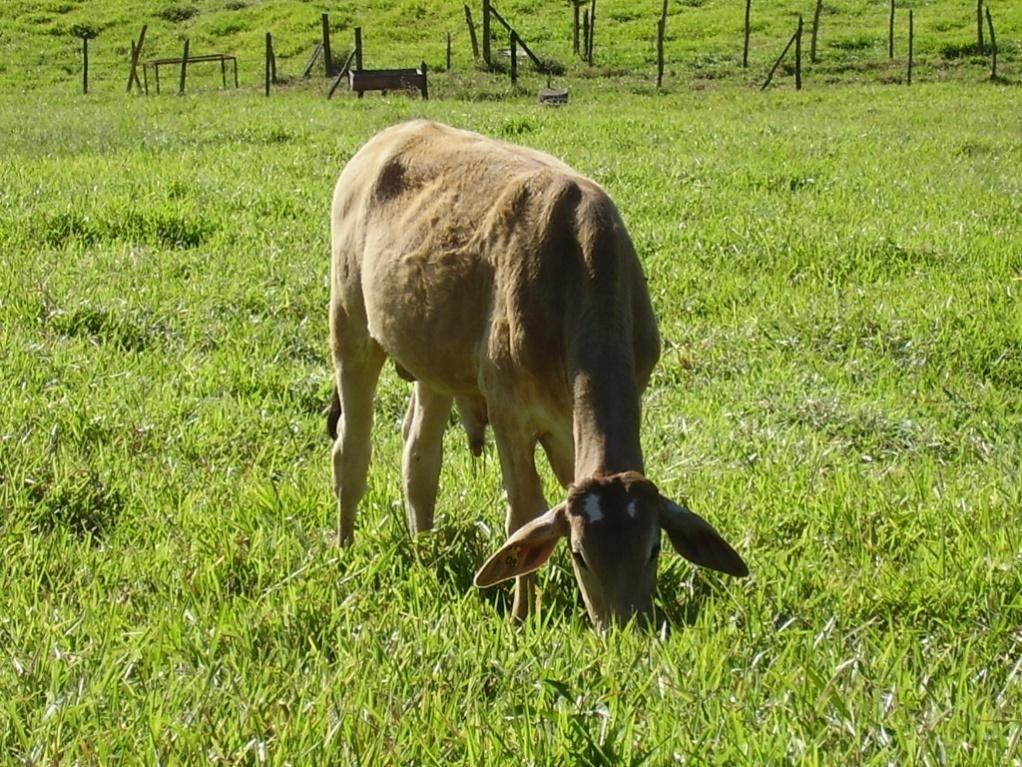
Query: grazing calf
(503, 281)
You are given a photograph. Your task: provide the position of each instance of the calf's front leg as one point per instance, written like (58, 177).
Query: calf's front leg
(517, 451)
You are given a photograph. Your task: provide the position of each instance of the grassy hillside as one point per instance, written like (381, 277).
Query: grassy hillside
(37, 49)
(837, 277)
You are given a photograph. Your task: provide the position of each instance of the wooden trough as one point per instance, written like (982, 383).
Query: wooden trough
(384, 80)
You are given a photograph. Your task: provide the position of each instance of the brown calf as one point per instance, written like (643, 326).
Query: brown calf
(503, 281)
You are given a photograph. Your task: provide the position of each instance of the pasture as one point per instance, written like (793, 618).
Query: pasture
(837, 276)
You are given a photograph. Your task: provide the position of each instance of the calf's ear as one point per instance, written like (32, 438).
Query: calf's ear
(528, 547)
(696, 540)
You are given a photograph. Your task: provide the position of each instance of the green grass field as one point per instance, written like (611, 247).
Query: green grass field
(837, 274)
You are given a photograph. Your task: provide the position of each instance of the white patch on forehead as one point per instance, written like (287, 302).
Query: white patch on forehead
(633, 508)
(592, 508)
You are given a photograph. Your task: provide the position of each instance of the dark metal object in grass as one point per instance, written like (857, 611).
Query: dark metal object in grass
(448, 69)
(136, 53)
(472, 33)
(553, 96)
(777, 63)
(993, 45)
(358, 47)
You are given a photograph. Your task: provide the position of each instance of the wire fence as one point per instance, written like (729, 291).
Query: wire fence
(843, 44)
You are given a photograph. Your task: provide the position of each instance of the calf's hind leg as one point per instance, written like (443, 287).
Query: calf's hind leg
(424, 425)
(356, 384)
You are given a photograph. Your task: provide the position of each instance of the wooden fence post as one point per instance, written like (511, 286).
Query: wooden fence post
(472, 33)
(585, 35)
(890, 33)
(745, 47)
(993, 45)
(328, 60)
(798, 54)
(269, 55)
(136, 54)
(979, 26)
(520, 42)
(341, 74)
(777, 63)
(661, 26)
(575, 21)
(357, 53)
(486, 33)
(816, 30)
(660, 53)
(317, 51)
(911, 43)
(184, 69)
(448, 52)
(592, 31)
(85, 64)
(513, 42)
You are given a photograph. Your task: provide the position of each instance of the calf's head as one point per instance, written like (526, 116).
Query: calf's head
(613, 523)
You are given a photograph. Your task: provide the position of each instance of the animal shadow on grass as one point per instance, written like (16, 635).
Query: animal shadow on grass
(679, 598)
(453, 551)
(681, 593)
(592, 750)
